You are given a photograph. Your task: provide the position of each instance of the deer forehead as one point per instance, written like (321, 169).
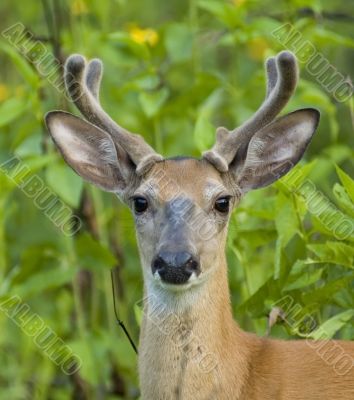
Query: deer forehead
(183, 178)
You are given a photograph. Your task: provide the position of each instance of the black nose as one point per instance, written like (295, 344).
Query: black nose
(175, 268)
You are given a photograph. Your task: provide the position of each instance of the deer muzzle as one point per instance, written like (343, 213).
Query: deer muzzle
(175, 267)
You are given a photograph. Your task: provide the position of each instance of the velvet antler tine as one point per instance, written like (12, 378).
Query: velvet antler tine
(83, 84)
(272, 75)
(280, 95)
(84, 100)
(282, 79)
(94, 76)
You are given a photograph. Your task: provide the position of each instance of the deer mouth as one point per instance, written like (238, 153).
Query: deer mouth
(174, 276)
(180, 284)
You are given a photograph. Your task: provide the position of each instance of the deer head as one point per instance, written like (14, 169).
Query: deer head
(181, 205)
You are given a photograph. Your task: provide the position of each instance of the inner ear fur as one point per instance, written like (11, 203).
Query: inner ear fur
(90, 151)
(275, 149)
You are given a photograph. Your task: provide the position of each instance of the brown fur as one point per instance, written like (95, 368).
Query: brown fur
(247, 367)
(191, 349)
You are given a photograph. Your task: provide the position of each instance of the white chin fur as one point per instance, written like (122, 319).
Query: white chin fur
(192, 281)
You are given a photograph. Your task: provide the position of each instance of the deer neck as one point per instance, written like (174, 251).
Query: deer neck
(188, 341)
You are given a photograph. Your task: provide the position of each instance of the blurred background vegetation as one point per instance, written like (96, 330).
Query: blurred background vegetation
(174, 70)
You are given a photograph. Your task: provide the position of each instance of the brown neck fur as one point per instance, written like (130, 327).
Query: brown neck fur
(198, 352)
(185, 349)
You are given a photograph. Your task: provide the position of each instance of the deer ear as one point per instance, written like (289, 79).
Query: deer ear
(89, 151)
(276, 148)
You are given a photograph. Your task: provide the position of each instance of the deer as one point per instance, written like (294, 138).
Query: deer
(191, 347)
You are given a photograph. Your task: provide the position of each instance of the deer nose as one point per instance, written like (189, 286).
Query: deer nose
(175, 268)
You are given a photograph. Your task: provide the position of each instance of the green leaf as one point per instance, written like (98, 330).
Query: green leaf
(258, 236)
(204, 131)
(228, 13)
(92, 254)
(12, 109)
(255, 304)
(278, 260)
(44, 280)
(286, 221)
(122, 350)
(92, 352)
(28, 73)
(347, 182)
(138, 312)
(31, 146)
(338, 153)
(325, 36)
(327, 291)
(179, 42)
(329, 328)
(343, 199)
(293, 180)
(304, 280)
(151, 102)
(334, 253)
(65, 182)
(258, 204)
(44, 255)
(37, 163)
(320, 227)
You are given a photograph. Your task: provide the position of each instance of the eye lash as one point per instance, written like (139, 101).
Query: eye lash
(223, 196)
(135, 196)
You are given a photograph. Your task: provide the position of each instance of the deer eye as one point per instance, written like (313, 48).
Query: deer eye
(140, 204)
(222, 204)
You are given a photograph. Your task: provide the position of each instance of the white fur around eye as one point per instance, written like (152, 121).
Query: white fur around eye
(213, 188)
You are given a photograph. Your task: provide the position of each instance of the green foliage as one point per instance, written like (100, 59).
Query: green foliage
(174, 70)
